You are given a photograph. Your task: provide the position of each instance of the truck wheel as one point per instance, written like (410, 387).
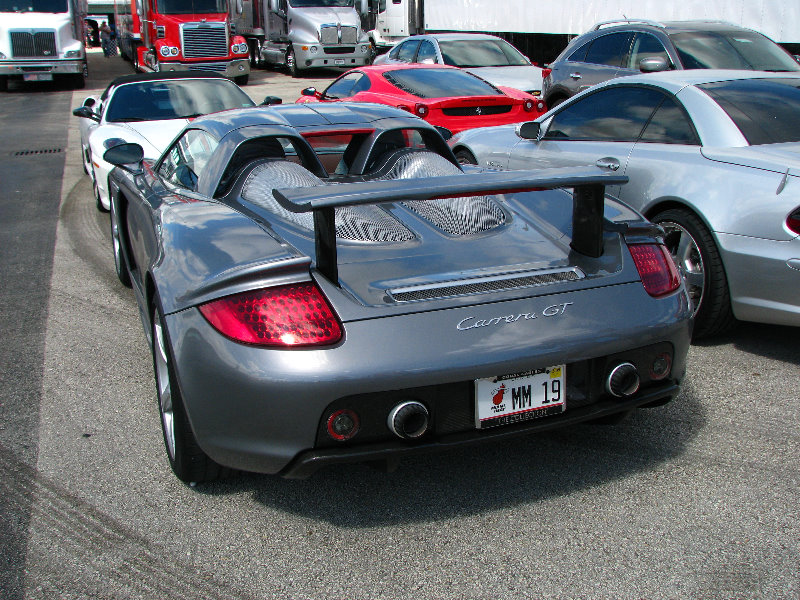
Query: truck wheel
(3, 83)
(291, 63)
(242, 79)
(254, 53)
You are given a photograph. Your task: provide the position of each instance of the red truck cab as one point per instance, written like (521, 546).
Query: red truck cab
(179, 35)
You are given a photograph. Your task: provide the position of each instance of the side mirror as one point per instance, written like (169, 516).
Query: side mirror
(309, 91)
(530, 130)
(270, 100)
(86, 113)
(90, 101)
(125, 155)
(654, 64)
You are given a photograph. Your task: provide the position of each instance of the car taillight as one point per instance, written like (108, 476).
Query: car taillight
(793, 221)
(421, 110)
(656, 268)
(528, 105)
(546, 73)
(290, 315)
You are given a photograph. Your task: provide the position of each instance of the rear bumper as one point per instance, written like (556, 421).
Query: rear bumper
(764, 278)
(263, 410)
(308, 462)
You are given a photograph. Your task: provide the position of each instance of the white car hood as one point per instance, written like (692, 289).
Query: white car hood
(524, 77)
(772, 157)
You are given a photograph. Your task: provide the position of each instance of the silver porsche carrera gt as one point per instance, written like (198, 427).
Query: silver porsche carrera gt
(323, 283)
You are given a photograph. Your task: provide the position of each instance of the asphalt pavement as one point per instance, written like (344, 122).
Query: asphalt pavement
(696, 499)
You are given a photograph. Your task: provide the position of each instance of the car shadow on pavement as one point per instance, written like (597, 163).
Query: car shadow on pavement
(484, 478)
(777, 342)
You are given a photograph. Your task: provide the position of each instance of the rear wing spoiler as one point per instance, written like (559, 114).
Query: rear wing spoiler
(588, 185)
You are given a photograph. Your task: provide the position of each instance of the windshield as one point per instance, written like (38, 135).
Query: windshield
(191, 7)
(310, 3)
(766, 111)
(440, 83)
(731, 50)
(180, 99)
(480, 53)
(44, 6)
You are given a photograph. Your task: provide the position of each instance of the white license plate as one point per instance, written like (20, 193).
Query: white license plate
(520, 397)
(338, 61)
(37, 77)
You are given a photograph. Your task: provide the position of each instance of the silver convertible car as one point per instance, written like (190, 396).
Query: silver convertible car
(322, 283)
(712, 156)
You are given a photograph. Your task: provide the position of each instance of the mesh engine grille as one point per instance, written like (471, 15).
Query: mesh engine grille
(482, 286)
(204, 40)
(349, 35)
(40, 43)
(361, 223)
(328, 34)
(456, 216)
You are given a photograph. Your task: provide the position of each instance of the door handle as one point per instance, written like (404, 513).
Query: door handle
(575, 75)
(609, 162)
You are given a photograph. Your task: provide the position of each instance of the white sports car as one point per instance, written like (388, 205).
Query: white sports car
(148, 109)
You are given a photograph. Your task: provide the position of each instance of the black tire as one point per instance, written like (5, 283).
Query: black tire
(97, 201)
(698, 259)
(291, 63)
(187, 460)
(3, 83)
(242, 79)
(465, 157)
(555, 101)
(254, 53)
(120, 266)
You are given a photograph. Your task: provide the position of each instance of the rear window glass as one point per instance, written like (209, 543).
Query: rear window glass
(766, 111)
(480, 53)
(440, 83)
(731, 50)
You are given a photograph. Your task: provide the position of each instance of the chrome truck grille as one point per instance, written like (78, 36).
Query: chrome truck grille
(204, 40)
(329, 34)
(26, 44)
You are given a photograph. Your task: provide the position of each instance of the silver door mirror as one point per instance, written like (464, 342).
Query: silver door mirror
(654, 64)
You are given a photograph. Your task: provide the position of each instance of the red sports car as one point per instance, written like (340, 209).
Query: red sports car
(444, 96)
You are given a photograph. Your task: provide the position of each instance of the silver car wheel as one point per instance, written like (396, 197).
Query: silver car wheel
(686, 254)
(161, 362)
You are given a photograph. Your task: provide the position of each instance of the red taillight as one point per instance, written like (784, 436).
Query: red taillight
(421, 110)
(528, 105)
(656, 268)
(793, 221)
(404, 107)
(546, 73)
(290, 315)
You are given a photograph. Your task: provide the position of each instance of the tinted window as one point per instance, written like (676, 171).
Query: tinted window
(580, 54)
(731, 50)
(609, 49)
(766, 111)
(669, 125)
(480, 53)
(646, 46)
(158, 100)
(617, 114)
(408, 50)
(439, 83)
(427, 52)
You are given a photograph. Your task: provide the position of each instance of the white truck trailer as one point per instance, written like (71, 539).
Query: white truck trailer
(541, 30)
